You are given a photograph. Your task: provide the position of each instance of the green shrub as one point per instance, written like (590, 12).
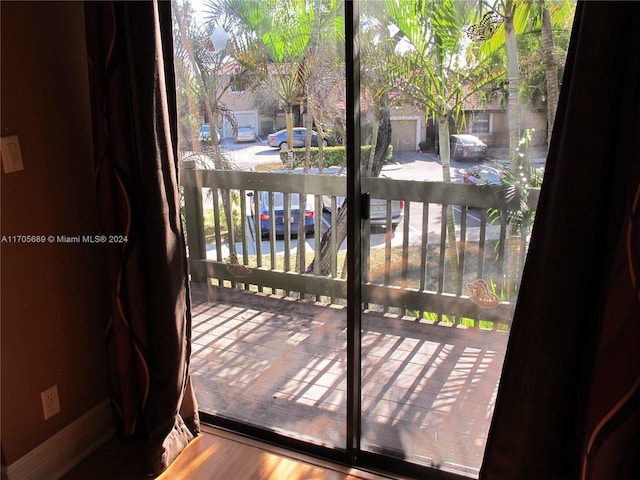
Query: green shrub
(333, 156)
(426, 145)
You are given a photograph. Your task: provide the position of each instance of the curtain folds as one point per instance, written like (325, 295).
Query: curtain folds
(131, 74)
(568, 406)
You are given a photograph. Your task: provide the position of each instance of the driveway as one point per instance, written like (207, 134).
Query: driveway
(407, 165)
(247, 155)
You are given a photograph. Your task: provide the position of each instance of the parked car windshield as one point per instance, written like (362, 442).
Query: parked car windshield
(467, 139)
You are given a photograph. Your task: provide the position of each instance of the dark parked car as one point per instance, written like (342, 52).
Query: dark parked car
(294, 217)
(467, 147)
(377, 208)
(483, 175)
(279, 139)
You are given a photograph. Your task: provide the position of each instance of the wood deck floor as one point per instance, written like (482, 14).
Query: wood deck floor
(428, 390)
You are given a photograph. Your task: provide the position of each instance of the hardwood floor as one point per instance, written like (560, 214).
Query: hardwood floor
(214, 455)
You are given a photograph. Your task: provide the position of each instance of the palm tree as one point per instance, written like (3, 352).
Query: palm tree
(436, 71)
(320, 63)
(271, 38)
(280, 40)
(197, 65)
(502, 20)
(553, 89)
(513, 77)
(197, 80)
(516, 18)
(376, 46)
(552, 13)
(323, 60)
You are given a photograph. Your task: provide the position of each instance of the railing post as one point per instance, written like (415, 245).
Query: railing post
(194, 219)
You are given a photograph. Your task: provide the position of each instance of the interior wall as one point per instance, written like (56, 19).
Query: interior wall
(52, 309)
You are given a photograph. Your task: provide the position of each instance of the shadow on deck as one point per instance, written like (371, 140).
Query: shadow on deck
(428, 391)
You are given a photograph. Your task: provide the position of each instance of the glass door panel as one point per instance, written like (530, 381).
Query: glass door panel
(269, 335)
(442, 248)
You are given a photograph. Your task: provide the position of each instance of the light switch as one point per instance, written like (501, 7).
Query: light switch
(11, 156)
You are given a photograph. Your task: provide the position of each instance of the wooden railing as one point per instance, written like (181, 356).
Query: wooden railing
(408, 272)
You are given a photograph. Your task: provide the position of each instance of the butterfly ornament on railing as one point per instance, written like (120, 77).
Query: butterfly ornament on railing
(235, 268)
(481, 295)
(485, 28)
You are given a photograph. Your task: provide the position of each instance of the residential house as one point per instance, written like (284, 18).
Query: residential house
(489, 122)
(239, 100)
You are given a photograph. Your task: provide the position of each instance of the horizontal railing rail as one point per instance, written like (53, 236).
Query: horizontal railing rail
(408, 271)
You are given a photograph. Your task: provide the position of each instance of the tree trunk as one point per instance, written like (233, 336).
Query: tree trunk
(445, 158)
(326, 244)
(513, 106)
(381, 148)
(301, 250)
(289, 126)
(307, 144)
(551, 68)
(309, 89)
(372, 153)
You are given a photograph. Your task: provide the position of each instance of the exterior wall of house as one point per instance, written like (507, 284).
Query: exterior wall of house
(537, 121)
(281, 121)
(240, 104)
(498, 136)
(53, 310)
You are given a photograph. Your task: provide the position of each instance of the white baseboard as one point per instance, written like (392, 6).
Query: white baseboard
(60, 453)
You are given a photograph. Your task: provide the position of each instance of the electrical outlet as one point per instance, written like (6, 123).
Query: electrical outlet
(50, 402)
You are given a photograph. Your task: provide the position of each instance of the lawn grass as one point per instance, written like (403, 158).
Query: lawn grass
(269, 167)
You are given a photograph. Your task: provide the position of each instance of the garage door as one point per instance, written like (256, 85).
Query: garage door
(245, 118)
(403, 134)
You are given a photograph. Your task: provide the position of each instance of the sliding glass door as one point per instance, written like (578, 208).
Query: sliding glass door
(354, 253)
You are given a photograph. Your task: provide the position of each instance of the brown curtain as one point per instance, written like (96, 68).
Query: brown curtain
(130, 54)
(568, 405)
